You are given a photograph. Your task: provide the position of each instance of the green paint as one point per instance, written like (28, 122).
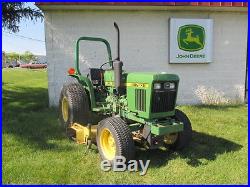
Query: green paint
(162, 129)
(191, 38)
(83, 79)
(146, 78)
(136, 102)
(150, 79)
(91, 39)
(87, 84)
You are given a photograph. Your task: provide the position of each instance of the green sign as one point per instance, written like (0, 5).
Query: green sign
(191, 37)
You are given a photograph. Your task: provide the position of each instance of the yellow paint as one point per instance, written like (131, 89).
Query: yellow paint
(107, 144)
(81, 134)
(137, 85)
(129, 84)
(109, 83)
(190, 38)
(65, 109)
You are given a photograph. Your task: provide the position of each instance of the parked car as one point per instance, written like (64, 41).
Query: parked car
(14, 64)
(33, 65)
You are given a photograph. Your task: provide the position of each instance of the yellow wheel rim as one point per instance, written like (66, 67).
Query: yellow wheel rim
(107, 143)
(65, 109)
(170, 138)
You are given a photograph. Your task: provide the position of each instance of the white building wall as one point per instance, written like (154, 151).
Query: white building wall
(144, 47)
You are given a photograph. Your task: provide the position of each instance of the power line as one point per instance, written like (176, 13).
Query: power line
(24, 37)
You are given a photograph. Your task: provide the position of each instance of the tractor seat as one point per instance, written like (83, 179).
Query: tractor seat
(96, 76)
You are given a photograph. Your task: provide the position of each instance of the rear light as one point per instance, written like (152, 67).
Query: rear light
(71, 71)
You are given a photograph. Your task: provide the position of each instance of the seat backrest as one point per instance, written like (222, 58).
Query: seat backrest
(96, 76)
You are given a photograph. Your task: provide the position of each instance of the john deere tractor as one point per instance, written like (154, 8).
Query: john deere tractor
(117, 110)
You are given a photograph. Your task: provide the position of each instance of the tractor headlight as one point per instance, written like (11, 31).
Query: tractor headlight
(169, 85)
(157, 86)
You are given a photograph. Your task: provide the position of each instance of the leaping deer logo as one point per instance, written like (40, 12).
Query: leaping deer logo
(190, 38)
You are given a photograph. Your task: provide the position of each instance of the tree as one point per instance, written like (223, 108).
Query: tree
(12, 13)
(28, 57)
(10, 57)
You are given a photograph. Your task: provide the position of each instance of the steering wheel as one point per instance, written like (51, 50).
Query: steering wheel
(105, 64)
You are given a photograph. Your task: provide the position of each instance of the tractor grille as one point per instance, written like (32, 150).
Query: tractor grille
(140, 99)
(163, 101)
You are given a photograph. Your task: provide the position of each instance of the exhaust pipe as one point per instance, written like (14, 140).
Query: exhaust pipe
(118, 41)
(117, 64)
(118, 75)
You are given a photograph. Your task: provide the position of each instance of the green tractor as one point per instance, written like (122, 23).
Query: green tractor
(117, 110)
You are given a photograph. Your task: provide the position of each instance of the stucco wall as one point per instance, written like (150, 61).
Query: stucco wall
(144, 47)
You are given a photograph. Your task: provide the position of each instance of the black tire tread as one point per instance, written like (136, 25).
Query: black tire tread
(78, 104)
(124, 137)
(185, 136)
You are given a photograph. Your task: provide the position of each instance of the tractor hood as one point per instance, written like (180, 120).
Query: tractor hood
(145, 100)
(140, 77)
(149, 77)
(142, 98)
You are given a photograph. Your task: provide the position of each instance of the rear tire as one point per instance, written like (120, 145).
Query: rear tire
(74, 105)
(114, 138)
(183, 137)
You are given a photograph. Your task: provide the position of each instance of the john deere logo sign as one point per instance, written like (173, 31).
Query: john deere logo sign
(191, 37)
(191, 40)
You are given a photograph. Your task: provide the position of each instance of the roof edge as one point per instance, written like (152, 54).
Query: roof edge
(212, 4)
(83, 6)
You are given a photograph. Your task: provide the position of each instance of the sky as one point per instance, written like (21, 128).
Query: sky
(33, 30)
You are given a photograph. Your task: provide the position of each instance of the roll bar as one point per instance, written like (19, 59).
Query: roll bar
(91, 39)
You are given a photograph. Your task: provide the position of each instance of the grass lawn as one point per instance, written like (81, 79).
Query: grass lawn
(35, 149)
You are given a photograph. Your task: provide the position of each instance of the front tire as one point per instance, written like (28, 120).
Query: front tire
(114, 138)
(183, 138)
